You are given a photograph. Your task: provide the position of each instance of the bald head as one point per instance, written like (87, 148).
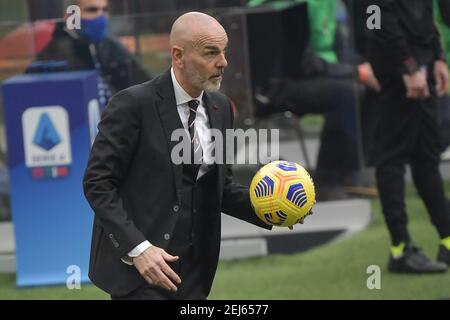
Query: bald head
(190, 30)
(198, 52)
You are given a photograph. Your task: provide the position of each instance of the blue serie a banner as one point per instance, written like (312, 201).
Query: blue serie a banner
(51, 122)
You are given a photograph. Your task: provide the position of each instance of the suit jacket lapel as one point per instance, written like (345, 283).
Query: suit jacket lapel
(170, 120)
(212, 109)
(216, 122)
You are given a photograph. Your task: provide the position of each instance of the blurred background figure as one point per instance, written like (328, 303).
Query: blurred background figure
(46, 44)
(92, 48)
(325, 80)
(442, 15)
(408, 59)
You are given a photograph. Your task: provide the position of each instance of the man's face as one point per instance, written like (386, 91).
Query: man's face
(91, 9)
(205, 62)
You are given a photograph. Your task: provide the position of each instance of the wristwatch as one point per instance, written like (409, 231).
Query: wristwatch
(410, 65)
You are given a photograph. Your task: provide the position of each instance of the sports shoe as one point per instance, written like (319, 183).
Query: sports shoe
(444, 255)
(412, 260)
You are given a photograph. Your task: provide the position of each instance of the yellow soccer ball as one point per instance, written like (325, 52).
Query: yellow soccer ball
(282, 193)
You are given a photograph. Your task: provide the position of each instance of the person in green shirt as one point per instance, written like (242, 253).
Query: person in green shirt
(324, 86)
(323, 29)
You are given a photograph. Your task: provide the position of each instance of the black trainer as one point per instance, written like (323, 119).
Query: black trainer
(413, 260)
(444, 255)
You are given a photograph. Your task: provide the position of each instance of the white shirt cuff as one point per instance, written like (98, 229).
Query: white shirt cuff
(138, 250)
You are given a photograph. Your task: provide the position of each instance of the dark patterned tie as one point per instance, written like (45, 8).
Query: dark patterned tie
(196, 148)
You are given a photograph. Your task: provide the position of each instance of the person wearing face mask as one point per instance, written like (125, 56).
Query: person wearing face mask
(91, 47)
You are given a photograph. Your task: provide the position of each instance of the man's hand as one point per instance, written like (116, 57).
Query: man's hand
(416, 85)
(302, 221)
(368, 77)
(441, 77)
(153, 267)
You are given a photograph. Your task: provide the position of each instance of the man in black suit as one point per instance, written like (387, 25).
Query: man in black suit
(408, 59)
(157, 227)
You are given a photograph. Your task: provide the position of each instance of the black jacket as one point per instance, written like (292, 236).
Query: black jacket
(408, 37)
(133, 186)
(118, 67)
(444, 7)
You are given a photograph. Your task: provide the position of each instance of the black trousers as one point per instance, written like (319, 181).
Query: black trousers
(408, 133)
(444, 121)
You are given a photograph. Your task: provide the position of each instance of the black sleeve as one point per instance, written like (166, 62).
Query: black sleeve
(391, 36)
(437, 46)
(444, 8)
(357, 11)
(236, 197)
(107, 167)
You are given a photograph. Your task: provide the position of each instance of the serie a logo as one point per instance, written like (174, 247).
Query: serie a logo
(47, 145)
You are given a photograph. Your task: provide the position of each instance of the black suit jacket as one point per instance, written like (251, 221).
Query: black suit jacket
(133, 186)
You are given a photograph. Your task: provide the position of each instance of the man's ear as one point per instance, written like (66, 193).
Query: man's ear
(177, 56)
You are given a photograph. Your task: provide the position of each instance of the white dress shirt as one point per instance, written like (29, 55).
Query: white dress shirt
(201, 126)
(201, 122)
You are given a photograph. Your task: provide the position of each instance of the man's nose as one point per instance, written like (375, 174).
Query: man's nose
(222, 62)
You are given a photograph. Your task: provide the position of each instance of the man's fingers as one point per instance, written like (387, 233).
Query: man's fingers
(164, 281)
(441, 78)
(442, 89)
(171, 274)
(169, 257)
(421, 93)
(426, 92)
(446, 80)
(376, 85)
(147, 278)
(439, 83)
(154, 269)
(167, 269)
(411, 93)
(418, 93)
(158, 278)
